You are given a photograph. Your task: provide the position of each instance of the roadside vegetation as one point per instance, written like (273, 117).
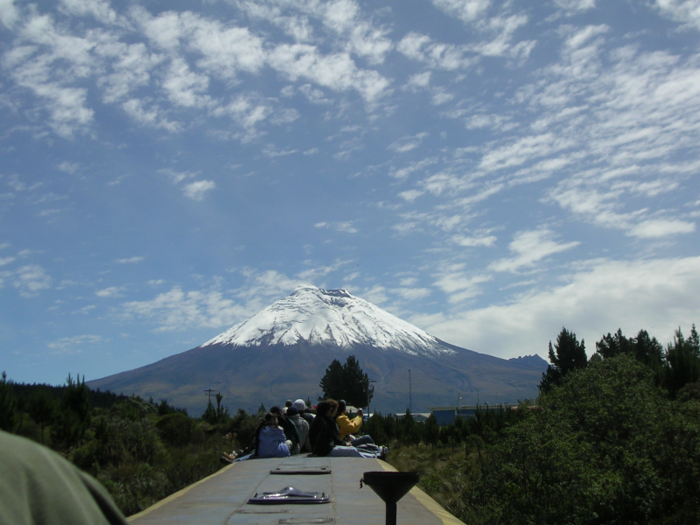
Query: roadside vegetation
(614, 439)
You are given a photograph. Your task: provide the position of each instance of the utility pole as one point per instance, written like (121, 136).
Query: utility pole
(410, 393)
(209, 391)
(369, 412)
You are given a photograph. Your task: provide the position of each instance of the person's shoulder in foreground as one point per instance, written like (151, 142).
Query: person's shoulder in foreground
(39, 487)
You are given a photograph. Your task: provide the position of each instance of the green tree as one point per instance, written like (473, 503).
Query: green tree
(608, 447)
(332, 382)
(73, 413)
(649, 351)
(431, 431)
(41, 409)
(8, 405)
(216, 415)
(347, 382)
(566, 355)
(612, 345)
(682, 360)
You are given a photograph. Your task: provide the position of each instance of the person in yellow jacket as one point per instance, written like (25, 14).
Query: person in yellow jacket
(39, 487)
(349, 427)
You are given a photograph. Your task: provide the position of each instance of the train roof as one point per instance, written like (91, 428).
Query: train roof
(223, 498)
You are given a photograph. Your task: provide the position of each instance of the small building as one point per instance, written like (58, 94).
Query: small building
(418, 417)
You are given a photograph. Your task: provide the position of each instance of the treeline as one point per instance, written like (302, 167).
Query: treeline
(673, 367)
(614, 439)
(141, 450)
(403, 430)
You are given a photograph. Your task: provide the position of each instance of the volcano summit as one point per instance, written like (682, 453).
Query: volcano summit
(283, 351)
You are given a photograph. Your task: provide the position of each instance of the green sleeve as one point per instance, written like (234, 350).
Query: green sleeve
(39, 487)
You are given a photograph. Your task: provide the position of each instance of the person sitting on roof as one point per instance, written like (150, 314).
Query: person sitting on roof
(290, 430)
(325, 438)
(271, 441)
(304, 411)
(349, 427)
(302, 426)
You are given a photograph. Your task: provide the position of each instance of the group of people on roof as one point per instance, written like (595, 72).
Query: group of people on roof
(323, 430)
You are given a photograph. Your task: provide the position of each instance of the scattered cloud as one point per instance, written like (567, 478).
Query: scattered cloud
(661, 228)
(30, 280)
(407, 144)
(131, 260)
(112, 291)
(197, 190)
(178, 310)
(75, 344)
(531, 247)
(342, 226)
(657, 295)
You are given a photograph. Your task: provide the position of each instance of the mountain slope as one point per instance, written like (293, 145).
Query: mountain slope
(283, 351)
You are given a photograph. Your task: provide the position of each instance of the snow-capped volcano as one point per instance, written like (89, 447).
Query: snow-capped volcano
(329, 317)
(283, 352)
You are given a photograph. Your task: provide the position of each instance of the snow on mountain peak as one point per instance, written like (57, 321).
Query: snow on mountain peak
(329, 317)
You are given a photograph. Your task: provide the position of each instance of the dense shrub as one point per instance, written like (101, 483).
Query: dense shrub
(608, 447)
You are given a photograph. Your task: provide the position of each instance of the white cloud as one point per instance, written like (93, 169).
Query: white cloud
(315, 96)
(575, 5)
(661, 228)
(683, 11)
(402, 173)
(185, 87)
(459, 284)
(466, 10)
(475, 241)
(342, 226)
(112, 291)
(523, 150)
(271, 151)
(410, 195)
(412, 294)
(439, 56)
(179, 310)
(9, 14)
(131, 260)
(197, 190)
(153, 117)
(406, 144)
(337, 71)
(30, 279)
(419, 80)
(530, 247)
(100, 9)
(376, 295)
(72, 345)
(657, 295)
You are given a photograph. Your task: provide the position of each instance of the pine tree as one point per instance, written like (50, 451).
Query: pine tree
(682, 361)
(8, 405)
(332, 382)
(347, 382)
(566, 355)
(41, 409)
(73, 415)
(612, 345)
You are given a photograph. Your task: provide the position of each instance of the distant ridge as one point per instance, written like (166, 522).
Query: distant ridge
(282, 352)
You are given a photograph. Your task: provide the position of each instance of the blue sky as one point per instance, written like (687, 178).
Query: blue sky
(489, 171)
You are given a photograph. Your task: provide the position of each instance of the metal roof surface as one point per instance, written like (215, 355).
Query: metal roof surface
(222, 498)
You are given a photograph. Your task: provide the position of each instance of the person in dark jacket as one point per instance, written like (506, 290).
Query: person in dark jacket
(325, 436)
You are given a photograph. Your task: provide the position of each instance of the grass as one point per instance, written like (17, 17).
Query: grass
(441, 469)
